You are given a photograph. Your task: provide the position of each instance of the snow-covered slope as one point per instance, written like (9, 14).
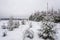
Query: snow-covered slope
(18, 33)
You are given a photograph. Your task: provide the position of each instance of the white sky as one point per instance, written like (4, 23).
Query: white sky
(23, 8)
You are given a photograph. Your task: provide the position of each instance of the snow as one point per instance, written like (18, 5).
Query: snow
(18, 33)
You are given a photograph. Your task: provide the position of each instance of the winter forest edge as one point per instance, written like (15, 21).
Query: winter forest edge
(40, 25)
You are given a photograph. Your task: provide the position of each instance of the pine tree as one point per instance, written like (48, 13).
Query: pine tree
(47, 31)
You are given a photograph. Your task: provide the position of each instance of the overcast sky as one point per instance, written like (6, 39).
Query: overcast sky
(24, 8)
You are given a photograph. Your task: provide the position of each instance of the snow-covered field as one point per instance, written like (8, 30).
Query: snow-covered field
(18, 33)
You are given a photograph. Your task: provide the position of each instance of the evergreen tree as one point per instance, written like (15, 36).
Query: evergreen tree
(47, 31)
(31, 17)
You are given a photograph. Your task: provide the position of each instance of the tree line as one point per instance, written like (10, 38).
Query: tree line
(50, 15)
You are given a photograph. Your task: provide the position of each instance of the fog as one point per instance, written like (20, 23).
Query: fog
(24, 8)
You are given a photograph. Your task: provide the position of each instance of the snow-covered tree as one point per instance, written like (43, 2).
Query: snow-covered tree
(4, 34)
(51, 15)
(23, 22)
(3, 26)
(28, 34)
(30, 25)
(47, 31)
(16, 24)
(31, 17)
(10, 23)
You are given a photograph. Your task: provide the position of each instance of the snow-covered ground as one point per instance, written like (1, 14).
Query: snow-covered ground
(18, 33)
